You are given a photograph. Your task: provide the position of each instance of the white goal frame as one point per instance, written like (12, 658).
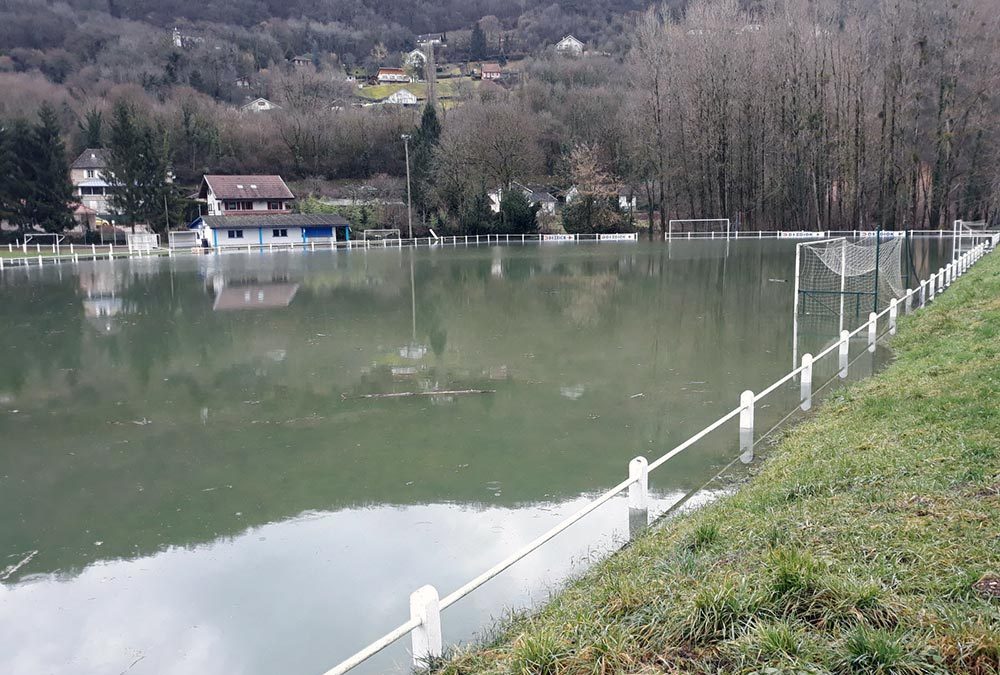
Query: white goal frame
(142, 242)
(670, 225)
(56, 239)
(386, 234)
(962, 229)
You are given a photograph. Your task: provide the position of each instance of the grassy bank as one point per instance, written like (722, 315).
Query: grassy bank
(867, 542)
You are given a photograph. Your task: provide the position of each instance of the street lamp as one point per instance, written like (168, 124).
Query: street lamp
(409, 208)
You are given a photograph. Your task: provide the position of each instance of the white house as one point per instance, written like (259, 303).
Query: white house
(415, 59)
(271, 229)
(387, 75)
(401, 97)
(490, 71)
(241, 195)
(430, 39)
(626, 202)
(90, 185)
(259, 105)
(536, 196)
(569, 45)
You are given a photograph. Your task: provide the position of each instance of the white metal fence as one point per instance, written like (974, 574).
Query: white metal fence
(39, 255)
(424, 624)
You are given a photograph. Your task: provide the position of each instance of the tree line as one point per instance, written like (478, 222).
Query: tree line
(797, 114)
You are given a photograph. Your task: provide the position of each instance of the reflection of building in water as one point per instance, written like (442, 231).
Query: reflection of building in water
(250, 290)
(254, 296)
(102, 305)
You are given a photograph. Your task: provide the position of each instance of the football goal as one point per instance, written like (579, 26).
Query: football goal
(386, 236)
(698, 227)
(39, 239)
(142, 242)
(966, 234)
(839, 277)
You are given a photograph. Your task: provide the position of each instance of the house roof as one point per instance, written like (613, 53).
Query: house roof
(391, 71)
(252, 104)
(491, 67)
(570, 38)
(93, 182)
(274, 220)
(246, 187)
(91, 158)
(426, 37)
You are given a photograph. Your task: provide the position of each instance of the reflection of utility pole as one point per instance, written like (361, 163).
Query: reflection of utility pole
(413, 300)
(409, 208)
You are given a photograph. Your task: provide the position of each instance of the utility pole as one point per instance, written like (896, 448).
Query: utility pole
(409, 207)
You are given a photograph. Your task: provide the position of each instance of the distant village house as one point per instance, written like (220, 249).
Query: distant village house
(416, 59)
(569, 46)
(490, 71)
(401, 97)
(431, 39)
(87, 174)
(389, 75)
(259, 105)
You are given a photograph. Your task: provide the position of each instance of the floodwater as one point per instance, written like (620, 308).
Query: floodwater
(199, 470)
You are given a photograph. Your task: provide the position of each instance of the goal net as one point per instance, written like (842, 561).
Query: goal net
(966, 235)
(141, 242)
(384, 236)
(839, 277)
(698, 227)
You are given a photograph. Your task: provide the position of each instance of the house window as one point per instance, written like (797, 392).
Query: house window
(275, 206)
(90, 173)
(239, 205)
(235, 234)
(279, 233)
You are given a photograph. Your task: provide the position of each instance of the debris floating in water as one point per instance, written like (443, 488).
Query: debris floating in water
(9, 571)
(779, 281)
(639, 395)
(403, 394)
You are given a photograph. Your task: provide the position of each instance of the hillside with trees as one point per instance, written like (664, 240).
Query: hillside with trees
(791, 114)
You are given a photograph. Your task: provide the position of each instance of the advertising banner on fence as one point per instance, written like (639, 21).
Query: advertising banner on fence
(618, 236)
(558, 237)
(800, 234)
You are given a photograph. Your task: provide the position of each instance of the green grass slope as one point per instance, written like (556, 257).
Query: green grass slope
(868, 542)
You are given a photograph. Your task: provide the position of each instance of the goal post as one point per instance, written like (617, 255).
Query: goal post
(382, 235)
(966, 234)
(838, 276)
(700, 227)
(142, 242)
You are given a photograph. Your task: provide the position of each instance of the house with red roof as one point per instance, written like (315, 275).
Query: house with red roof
(239, 195)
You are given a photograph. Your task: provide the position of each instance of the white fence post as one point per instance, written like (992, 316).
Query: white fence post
(746, 426)
(425, 605)
(940, 279)
(638, 496)
(893, 312)
(908, 302)
(843, 352)
(931, 287)
(806, 383)
(872, 331)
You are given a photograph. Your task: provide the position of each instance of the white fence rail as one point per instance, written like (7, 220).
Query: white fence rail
(39, 255)
(424, 624)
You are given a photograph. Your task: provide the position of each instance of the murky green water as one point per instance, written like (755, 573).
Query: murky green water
(187, 445)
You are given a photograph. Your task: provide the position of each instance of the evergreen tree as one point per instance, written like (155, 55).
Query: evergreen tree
(91, 129)
(476, 216)
(477, 43)
(425, 141)
(517, 215)
(9, 172)
(46, 189)
(139, 171)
